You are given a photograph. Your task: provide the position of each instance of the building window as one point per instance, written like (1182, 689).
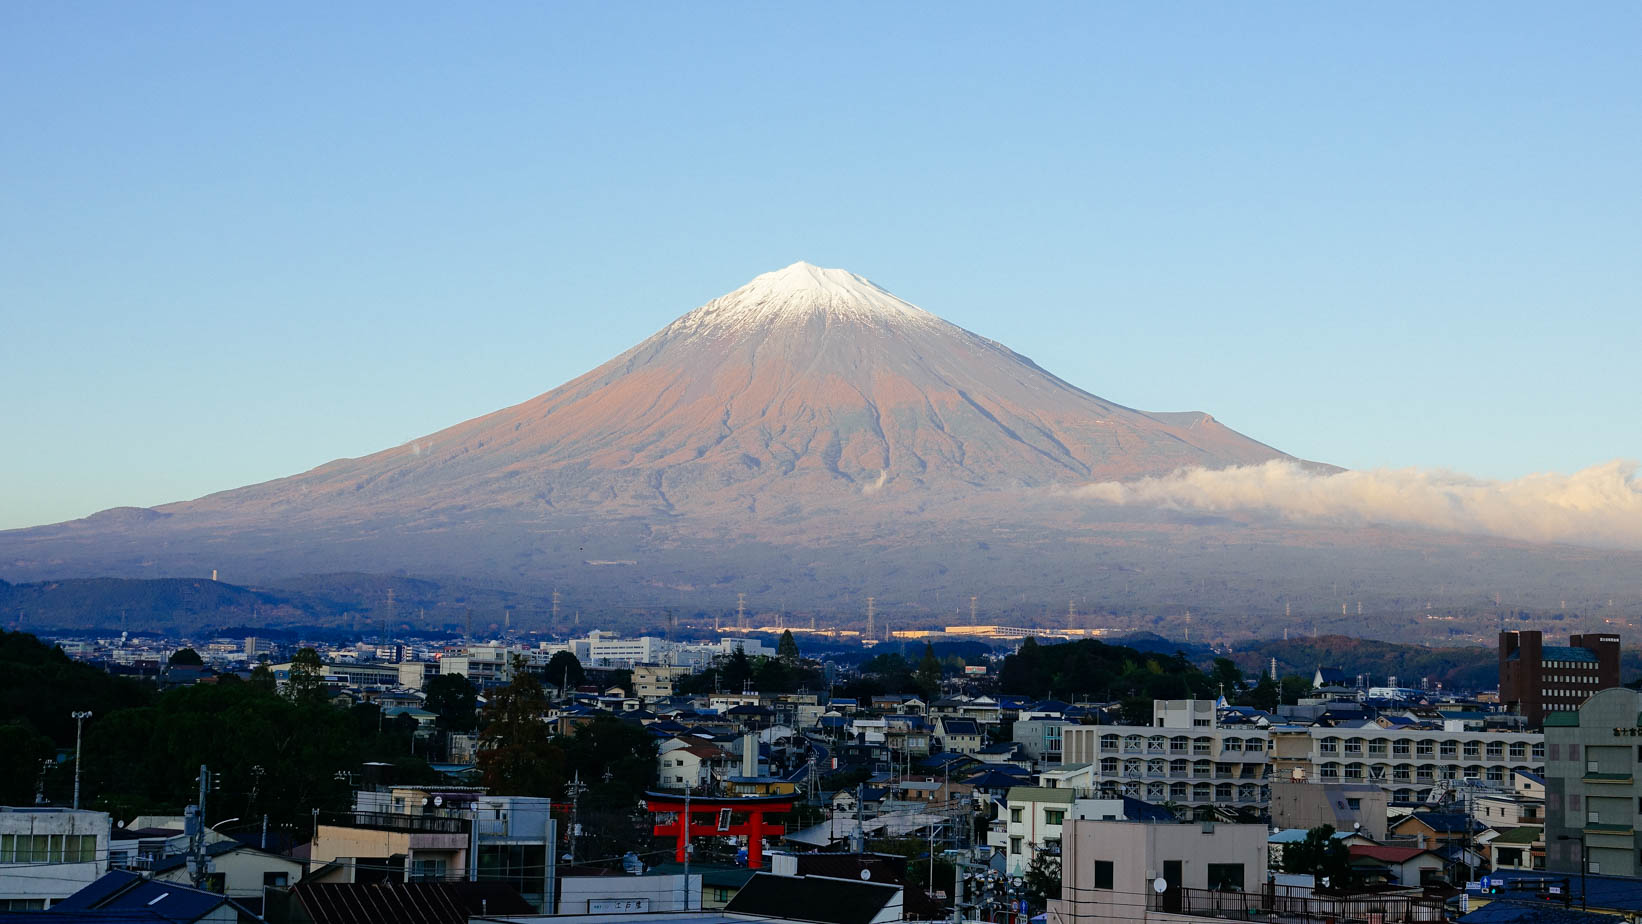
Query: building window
(1054, 816)
(276, 880)
(1015, 846)
(1225, 877)
(1103, 874)
(428, 870)
(1356, 805)
(1015, 816)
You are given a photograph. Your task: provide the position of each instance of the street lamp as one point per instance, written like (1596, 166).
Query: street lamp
(79, 721)
(1584, 865)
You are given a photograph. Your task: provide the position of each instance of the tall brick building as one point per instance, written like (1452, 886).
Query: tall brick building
(1536, 678)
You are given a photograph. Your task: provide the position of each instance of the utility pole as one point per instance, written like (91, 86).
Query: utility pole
(858, 840)
(195, 824)
(79, 720)
(576, 789)
(686, 822)
(387, 623)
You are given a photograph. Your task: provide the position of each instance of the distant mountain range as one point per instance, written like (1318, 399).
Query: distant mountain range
(811, 440)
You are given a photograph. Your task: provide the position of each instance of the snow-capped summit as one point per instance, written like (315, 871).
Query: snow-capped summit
(798, 293)
(804, 387)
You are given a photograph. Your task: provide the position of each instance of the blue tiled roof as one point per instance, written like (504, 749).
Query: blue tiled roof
(1614, 893)
(117, 892)
(1446, 822)
(1519, 912)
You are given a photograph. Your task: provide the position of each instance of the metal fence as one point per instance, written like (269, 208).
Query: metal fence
(1283, 903)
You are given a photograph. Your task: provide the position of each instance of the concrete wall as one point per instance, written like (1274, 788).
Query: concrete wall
(1139, 854)
(51, 879)
(1310, 804)
(578, 894)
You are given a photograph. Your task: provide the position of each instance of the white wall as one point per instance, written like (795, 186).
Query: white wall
(578, 894)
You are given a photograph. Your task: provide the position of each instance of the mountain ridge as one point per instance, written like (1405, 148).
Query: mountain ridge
(816, 452)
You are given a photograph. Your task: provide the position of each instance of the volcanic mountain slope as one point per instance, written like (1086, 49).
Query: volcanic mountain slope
(812, 439)
(802, 387)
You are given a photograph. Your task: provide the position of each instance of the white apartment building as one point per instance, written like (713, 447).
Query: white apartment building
(1188, 758)
(607, 649)
(48, 854)
(1406, 763)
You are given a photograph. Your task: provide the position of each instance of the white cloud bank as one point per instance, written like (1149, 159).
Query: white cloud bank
(1600, 505)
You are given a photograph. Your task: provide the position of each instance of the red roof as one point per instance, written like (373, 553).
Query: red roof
(1386, 854)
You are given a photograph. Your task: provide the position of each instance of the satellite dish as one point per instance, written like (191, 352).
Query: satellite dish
(866, 874)
(1160, 885)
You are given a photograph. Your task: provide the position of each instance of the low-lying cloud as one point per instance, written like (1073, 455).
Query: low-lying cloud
(1600, 505)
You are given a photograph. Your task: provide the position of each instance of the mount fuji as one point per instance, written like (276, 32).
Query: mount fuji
(809, 436)
(805, 387)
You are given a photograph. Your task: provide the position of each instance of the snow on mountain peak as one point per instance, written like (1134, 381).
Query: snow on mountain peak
(798, 292)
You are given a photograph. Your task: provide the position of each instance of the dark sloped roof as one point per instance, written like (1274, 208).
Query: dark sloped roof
(1139, 810)
(1515, 912)
(83, 916)
(122, 891)
(952, 726)
(821, 899)
(1443, 822)
(407, 902)
(100, 889)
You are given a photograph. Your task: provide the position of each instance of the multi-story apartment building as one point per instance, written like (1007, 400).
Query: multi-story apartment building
(1536, 679)
(1190, 759)
(655, 681)
(410, 833)
(1186, 757)
(1407, 763)
(1593, 803)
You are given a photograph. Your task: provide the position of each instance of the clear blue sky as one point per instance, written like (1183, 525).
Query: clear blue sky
(239, 240)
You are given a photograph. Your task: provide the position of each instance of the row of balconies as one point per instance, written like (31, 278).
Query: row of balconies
(1438, 753)
(1193, 794)
(1179, 746)
(1141, 773)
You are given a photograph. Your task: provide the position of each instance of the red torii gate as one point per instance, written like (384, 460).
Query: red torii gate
(729, 816)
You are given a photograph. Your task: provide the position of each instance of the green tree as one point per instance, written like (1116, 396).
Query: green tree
(928, 677)
(1294, 688)
(185, 657)
(1264, 695)
(262, 677)
(274, 755)
(1227, 677)
(564, 671)
(23, 752)
(1323, 856)
(517, 755)
(306, 682)
(787, 648)
(1042, 878)
(453, 698)
(737, 670)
